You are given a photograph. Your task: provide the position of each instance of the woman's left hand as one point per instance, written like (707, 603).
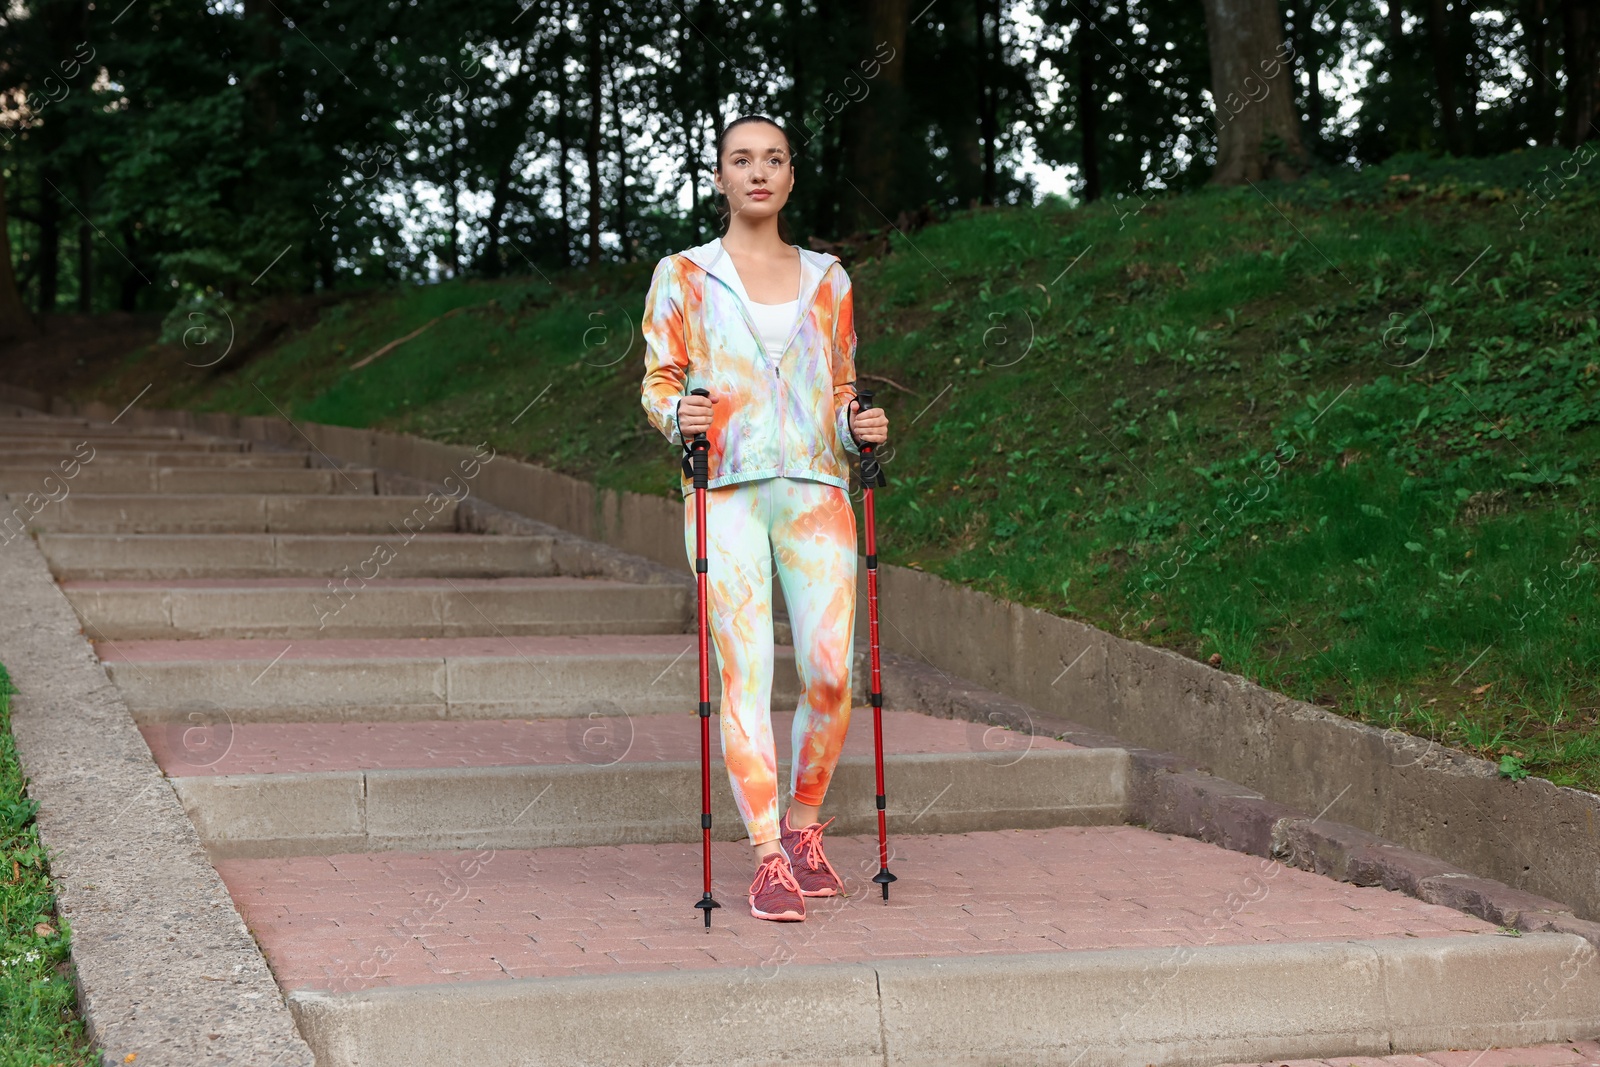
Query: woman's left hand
(871, 426)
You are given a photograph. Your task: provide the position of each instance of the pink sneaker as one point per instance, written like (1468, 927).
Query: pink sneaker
(774, 894)
(812, 870)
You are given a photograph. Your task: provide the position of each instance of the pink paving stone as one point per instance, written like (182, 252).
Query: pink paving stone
(98, 585)
(1561, 1054)
(265, 748)
(361, 920)
(230, 648)
(1555, 1055)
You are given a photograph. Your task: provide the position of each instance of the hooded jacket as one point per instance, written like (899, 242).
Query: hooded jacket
(776, 414)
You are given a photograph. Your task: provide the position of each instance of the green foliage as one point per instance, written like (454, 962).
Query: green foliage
(38, 1007)
(1512, 768)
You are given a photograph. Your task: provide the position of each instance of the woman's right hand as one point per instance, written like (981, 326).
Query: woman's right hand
(694, 416)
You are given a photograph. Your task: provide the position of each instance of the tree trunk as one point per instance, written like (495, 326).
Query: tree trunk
(1314, 105)
(14, 320)
(875, 125)
(1089, 99)
(85, 244)
(1308, 58)
(490, 263)
(623, 239)
(1580, 38)
(594, 60)
(691, 118)
(710, 101)
(966, 151)
(1539, 101)
(1258, 135)
(262, 20)
(133, 279)
(1466, 60)
(455, 203)
(796, 30)
(800, 39)
(564, 230)
(49, 256)
(1444, 75)
(986, 93)
(520, 97)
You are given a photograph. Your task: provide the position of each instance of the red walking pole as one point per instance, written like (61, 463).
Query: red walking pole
(872, 474)
(694, 462)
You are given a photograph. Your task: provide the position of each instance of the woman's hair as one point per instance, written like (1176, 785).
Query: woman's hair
(723, 211)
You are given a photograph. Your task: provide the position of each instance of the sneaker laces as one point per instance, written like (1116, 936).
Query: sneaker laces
(773, 870)
(810, 844)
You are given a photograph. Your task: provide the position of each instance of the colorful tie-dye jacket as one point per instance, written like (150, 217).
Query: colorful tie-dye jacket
(776, 413)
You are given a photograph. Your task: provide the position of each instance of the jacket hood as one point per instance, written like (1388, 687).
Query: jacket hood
(712, 258)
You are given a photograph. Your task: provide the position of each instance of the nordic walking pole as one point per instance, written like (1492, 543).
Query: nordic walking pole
(872, 474)
(694, 462)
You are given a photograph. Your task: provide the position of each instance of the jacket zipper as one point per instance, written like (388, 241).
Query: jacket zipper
(808, 299)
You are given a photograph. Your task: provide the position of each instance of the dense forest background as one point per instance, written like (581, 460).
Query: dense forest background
(158, 153)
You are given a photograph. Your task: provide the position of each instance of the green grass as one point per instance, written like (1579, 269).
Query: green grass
(38, 1005)
(1342, 433)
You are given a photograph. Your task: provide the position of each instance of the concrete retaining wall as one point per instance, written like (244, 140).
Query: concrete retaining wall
(1532, 834)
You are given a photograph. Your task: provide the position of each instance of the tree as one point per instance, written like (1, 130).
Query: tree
(875, 123)
(1580, 23)
(1538, 103)
(1444, 75)
(594, 62)
(1088, 100)
(1308, 58)
(503, 146)
(1257, 133)
(988, 60)
(14, 321)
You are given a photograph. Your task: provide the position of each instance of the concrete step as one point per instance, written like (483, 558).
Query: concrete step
(209, 748)
(58, 427)
(383, 607)
(229, 513)
(328, 556)
(49, 457)
(388, 679)
(1555, 1054)
(1072, 945)
(304, 814)
(123, 443)
(94, 478)
(597, 781)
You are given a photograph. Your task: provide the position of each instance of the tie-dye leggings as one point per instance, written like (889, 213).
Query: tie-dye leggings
(807, 532)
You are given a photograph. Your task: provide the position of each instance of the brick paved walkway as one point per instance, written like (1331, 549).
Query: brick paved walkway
(353, 921)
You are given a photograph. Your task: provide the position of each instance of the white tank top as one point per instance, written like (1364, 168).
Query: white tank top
(774, 322)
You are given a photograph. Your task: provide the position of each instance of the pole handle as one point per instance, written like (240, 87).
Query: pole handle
(696, 453)
(871, 471)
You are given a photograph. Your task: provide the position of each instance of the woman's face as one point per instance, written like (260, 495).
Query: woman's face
(755, 172)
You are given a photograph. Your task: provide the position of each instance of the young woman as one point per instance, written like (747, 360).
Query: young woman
(768, 328)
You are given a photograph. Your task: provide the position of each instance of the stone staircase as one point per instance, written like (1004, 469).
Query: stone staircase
(452, 786)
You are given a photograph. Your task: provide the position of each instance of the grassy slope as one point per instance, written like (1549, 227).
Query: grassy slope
(1341, 433)
(38, 1007)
